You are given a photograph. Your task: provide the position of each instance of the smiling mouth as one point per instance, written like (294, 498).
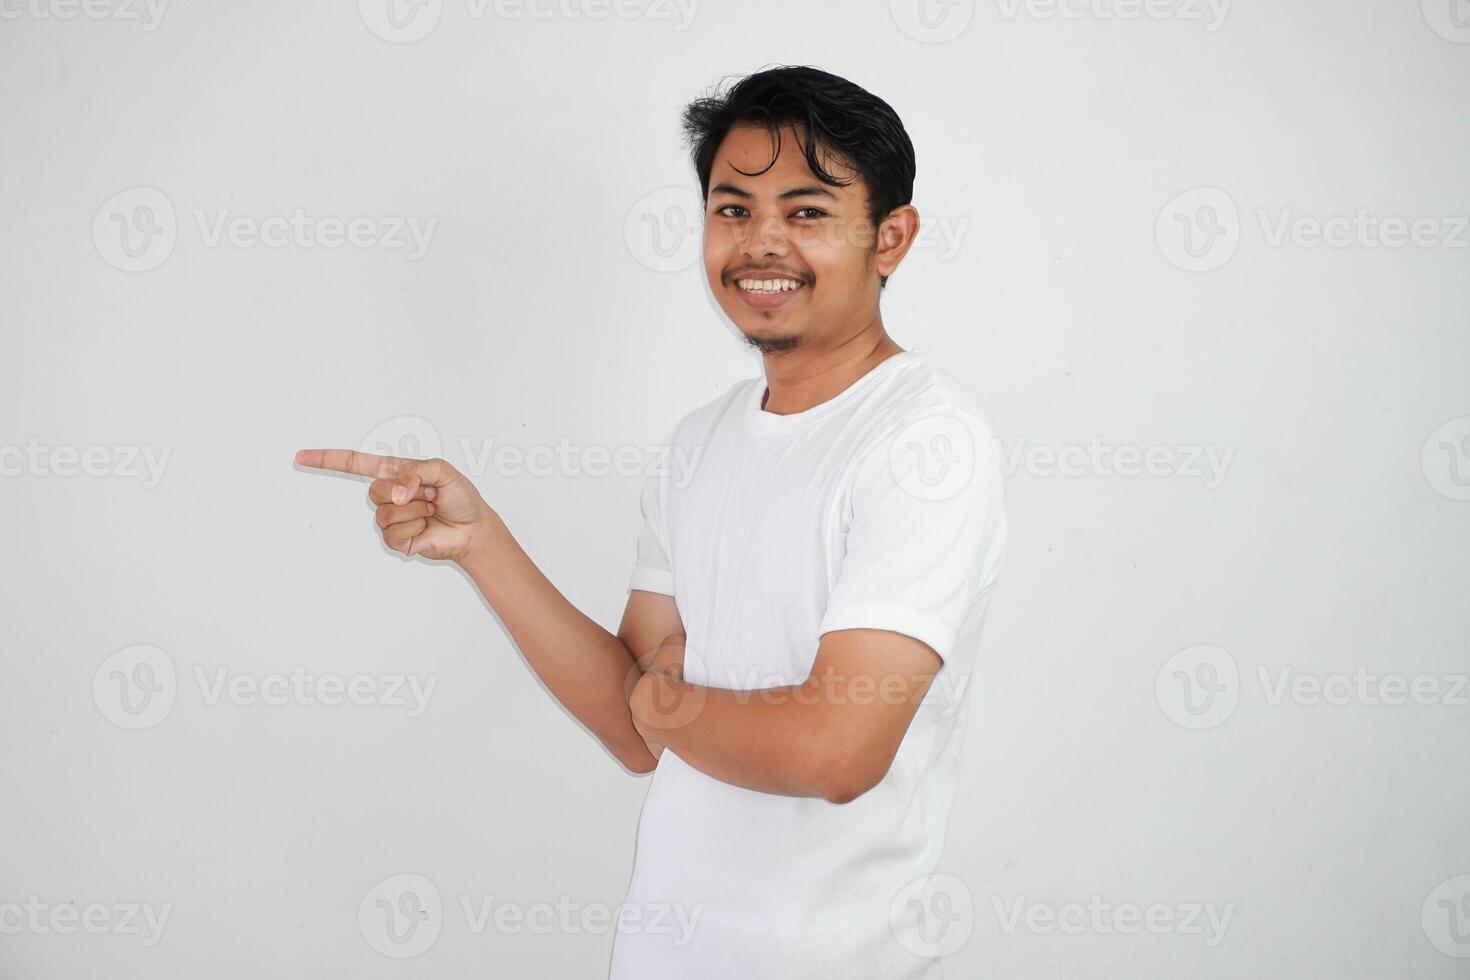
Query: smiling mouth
(776, 285)
(767, 292)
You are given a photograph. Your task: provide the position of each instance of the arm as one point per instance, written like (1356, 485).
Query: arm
(438, 513)
(586, 668)
(833, 736)
(917, 555)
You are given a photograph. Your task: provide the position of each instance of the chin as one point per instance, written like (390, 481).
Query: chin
(768, 340)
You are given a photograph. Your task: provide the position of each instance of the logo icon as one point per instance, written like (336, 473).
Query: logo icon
(673, 710)
(1446, 459)
(400, 21)
(1450, 19)
(405, 436)
(1199, 230)
(1198, 687)
(933, 916)
(663, 231)
(135, 687)
(933, 458)
(1446, 917)
(932, 21)
(135, 230)
(401, 916)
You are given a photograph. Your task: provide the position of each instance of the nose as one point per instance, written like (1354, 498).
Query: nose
(766, 236)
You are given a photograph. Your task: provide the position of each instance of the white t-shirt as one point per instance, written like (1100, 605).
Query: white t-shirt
(879, 508)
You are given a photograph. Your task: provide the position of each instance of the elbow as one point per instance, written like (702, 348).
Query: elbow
(637, 759)
(841, 795)
(847, 778)
(845, 791)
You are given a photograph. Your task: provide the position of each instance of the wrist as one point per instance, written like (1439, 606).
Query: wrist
(486, 547)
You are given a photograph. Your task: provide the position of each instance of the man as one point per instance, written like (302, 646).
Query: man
(804, 611)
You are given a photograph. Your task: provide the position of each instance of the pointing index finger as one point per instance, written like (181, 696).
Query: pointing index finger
(350, 461)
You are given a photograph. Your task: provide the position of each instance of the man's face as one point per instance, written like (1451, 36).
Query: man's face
(789, 258)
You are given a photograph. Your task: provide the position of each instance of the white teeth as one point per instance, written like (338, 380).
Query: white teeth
(768, 285)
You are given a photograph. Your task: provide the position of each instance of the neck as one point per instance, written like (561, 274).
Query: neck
(805, 376)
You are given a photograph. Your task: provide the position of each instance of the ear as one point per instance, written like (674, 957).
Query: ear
(896, 235)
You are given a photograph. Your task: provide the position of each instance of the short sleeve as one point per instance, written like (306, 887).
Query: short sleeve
(653, 571)
(927, 531)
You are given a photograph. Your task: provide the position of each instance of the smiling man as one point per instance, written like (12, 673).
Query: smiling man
(831, 562)
(805, 610)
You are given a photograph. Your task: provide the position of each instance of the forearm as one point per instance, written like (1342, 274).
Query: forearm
(586, 668)
(772, 740)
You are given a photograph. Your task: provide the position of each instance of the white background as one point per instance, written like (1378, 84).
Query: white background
(1052, 151)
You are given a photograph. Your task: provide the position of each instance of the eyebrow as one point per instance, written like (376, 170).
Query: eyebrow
(812, 191)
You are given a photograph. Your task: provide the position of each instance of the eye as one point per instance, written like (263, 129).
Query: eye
(814, 212)
(724, 211)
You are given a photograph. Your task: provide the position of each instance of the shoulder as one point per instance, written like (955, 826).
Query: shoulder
(926, 410)
(925, 387)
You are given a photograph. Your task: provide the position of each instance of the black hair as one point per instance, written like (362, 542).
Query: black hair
(836, 114)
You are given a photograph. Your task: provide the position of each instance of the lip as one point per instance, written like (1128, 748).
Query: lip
(766, 301)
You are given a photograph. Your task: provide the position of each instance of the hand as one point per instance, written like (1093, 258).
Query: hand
(436, 513)
(641, 705)
(667, 657)
(642, 695)
(661, 702)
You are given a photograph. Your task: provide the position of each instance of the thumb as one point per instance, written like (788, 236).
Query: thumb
(434, 472)
(406, 482)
